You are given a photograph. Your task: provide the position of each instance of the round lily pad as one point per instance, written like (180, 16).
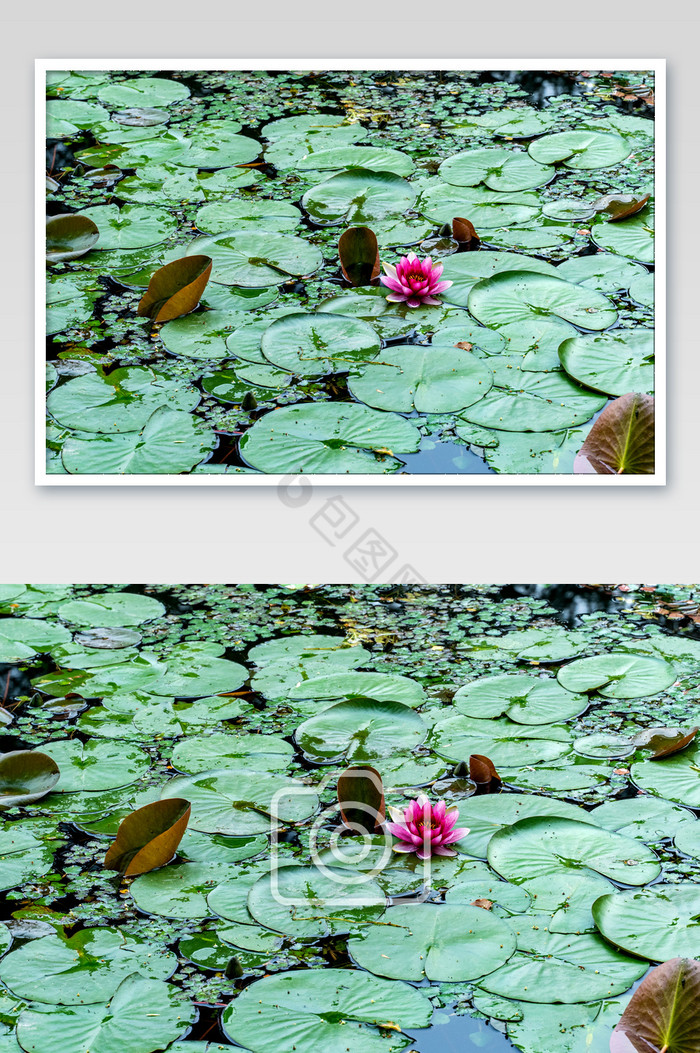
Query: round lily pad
(674, 778)
(142, 1015)
(521, 296)
(642, 289)
(23, 857)
(498, 169)
(524, 699)
(358, 197)
(170, 442)
(633, 237)
(343, 684)
(310, 344)
(240, 802)
(370, 158)
(435, 379)
(265, 753)
(582, 149)
(615, 362)
(325, 1010)
(95, 765)
(646, 818)
(561, 967)
(123, 400)
(506, 743)
(658, 923)
(85, 968)
(441, 942)
(605, 272)
(618, 675)
(252, 213)
(532, 402)
(540, 846)
(255, 259)
(307, 901)
(485, 208)
(24, 637)
(360, 729)
(131, 226)
(323, 438)
(180, 890)
(485, 815)
(467, 268)
(216, 144)
(143, 91)
(201, 335)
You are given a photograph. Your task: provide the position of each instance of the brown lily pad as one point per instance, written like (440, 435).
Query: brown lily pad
(620, 206)
(359, 255)
(464, 231)
(176, 288)
(621, 442)
(361, 798)
(148, 838)
(663, 1014)
(483, 772)
(664, 741)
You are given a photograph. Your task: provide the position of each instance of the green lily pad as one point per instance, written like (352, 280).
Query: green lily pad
(524, 699)
(169, 443)
(524, 297)
(360, 729)
(615, 362)
(22, 638)
(485, 208)
(323, 438)
(95, 765)
(123, 400)
(506, 743)
(560, 967)
(633, 237)
(70, 236)
(265, 753)
(487, 814)
(216, 144)
(255, 259)
(498, 169)
(542, 846)
(467, 268)
(533, 402)
(674, 778)
(358, 197)
(582, 149)
(131, 226)
(434, 379)
(143, 1015)
(309, 344)
(646, 818)
(85, 968)
(26, 776)
(449, 942)
(143, 91)
(23, 857)
(605, 272)
(618, 675)
(658, 923)
(240, 802)
(201, 335)
(307, 901)
(369, 158)
(325, 1011)
(641, 289)
(180, 890)
(252, 213)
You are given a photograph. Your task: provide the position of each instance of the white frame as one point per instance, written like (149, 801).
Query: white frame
(42, 66)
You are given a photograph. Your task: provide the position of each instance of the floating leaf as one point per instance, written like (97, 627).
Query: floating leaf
(148, 838)
(358, 197)
(497, 169)
(522, 698)
(25, 776)
(69, 236)
(435, 379)
(313, 344)
(663, 1013)
(524, 296)
(131, 226)
(618, 675)
(175, 289)
(483, 772)
(464, 232)
(360, 729)
(654, 923)
(622, 439)
(582, 149)
(359, 255)
(664, 741)
(361, 798)
(615, 362)
(620, 206)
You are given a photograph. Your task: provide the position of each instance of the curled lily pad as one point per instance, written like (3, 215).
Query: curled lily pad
(148, 838)
(175, 289)
(359, 255)
(25, 776)
(663, 1011)
(70, 236)
(622, 439)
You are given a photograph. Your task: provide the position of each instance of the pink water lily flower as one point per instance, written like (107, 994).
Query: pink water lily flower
(413, 281)
(426, 829)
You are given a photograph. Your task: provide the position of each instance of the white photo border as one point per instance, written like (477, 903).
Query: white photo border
(43, 66)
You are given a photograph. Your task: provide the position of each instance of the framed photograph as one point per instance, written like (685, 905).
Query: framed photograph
(378, 272)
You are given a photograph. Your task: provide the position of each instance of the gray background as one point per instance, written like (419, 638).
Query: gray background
(472, 534)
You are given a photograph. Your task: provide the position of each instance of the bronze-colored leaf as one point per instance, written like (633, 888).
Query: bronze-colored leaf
(25, 776)
(620, 206)
(483, 772)
(69, 236)
(148, 838)
(464, 232)
(359, 255)
(485, 904)
(663, 1014)
(621, 442)
(361, 798)
(664, 741)
(465, 345)
(176, 288)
